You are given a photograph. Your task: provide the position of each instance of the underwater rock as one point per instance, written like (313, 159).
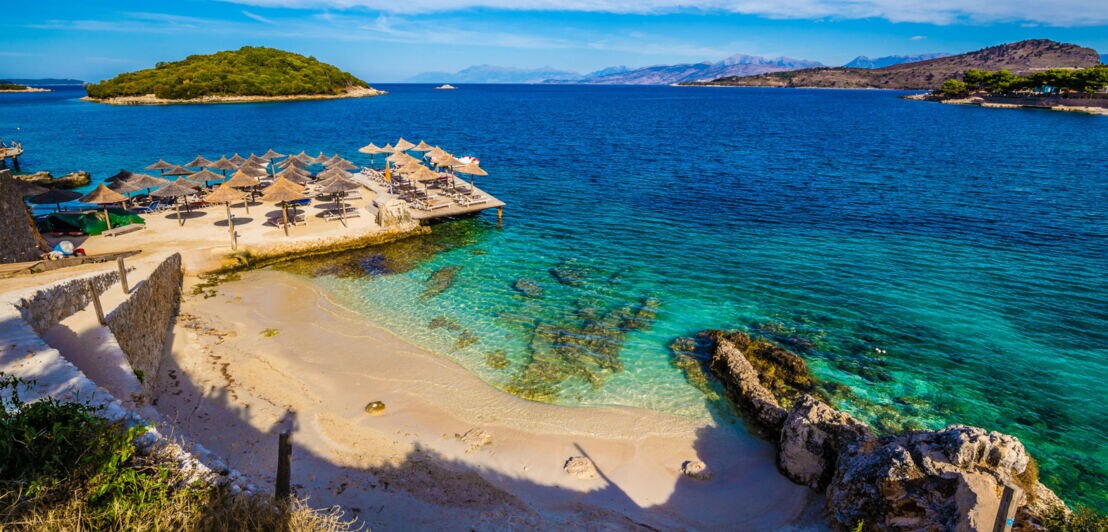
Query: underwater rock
(696, 470)
(466, 339)
(444, 322)
(439, 281)
(527, 287)
(497, 359)
(375, 408)
(685, 358)
(569, 274)
(581, 467)
(475, 438)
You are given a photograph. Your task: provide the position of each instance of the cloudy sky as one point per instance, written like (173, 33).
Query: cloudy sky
(391, 40)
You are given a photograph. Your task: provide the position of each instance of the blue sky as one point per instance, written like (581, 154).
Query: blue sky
(391, 40)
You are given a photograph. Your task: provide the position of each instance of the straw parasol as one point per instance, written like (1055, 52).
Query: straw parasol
(293, 161)
(253, 170)
(237, 159)
(176, 189)
(242, 179)
(283, 191)
(342, 164)
(125, 187)
(422, 146)
(102, 195)
(124, 174)
(160, 165)
(388, 149)
(55, 196)
(222, 164)
(177, 170)
(400, 157)
(338, 186)
(370, 149)
(146, 181)
(294, 175)
(331, 172)
(227, 194)
(471, 169)
(403, 145)
(198, 162)
(205, 175)
(27, 188)
(270, 155)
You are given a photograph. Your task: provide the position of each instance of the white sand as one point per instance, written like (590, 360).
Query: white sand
(232, 388)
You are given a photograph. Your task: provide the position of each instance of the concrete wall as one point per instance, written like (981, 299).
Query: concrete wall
(49, 305)
(143, 322)
(18, 236)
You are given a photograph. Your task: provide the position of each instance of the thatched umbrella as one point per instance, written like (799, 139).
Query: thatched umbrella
(422, 146)
(223, 165)
(124, 174)
(338, 186)
(401, 157)
(269, 155)
(242, 179)
(237, 159)
(471, 169)
(294, 175)
(403, 145)
(371, 149)
(205, 175)
(177, 170)
(55, 196)
(145, 181)
(388, 149)
(160, 165)
(283, 191)
(198, 162)
(227, 194)
(175, 190)
(27, 188)
(332, 172)
(342, 164)
(125, 187)
(102, 195)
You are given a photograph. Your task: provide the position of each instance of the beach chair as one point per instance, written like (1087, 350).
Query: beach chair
(151, 208)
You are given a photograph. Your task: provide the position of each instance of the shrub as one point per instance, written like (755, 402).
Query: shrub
(953, 87)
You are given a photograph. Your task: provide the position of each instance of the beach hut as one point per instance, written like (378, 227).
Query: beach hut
(54, 196)
(227, 194)
(283, 191)
(175, 190)
(160, 165)
(198, 162)
(102, 195)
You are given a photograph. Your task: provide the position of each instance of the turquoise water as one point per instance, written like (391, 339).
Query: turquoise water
(945, 263)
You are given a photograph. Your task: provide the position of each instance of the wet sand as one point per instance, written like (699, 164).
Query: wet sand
(273, 352)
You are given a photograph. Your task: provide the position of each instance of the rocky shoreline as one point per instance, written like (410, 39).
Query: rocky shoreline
(26, 89)
(150, 99)
(956, 478)
(1008, 103)
(76, 179)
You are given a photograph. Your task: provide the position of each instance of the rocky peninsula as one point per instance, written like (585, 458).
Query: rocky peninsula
(956, 478)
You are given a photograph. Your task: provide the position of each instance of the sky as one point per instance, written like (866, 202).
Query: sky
(391, 40)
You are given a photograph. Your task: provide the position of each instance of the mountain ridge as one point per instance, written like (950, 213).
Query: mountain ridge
(890, 60)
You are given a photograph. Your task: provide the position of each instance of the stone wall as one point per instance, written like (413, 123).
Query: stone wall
(48, 306)
(18, 236)
(143, 322)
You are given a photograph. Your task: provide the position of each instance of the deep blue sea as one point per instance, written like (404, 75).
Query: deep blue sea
(946, 264)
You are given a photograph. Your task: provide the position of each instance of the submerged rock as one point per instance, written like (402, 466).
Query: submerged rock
(696, 470)
(527, 287)
(569, 274)
(444, 322)
(497, 359)
(439, 281)
(581, 467)
(466, 339)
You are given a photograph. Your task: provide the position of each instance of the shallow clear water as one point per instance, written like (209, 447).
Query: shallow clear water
(967, 245)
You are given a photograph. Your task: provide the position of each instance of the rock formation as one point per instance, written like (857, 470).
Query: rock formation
(951, 479)
(67, 181)
(582, 468)
(393, 212)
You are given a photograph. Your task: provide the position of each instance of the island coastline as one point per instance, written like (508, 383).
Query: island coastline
(150, 99)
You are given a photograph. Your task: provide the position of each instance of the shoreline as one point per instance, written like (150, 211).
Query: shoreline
(985, 103)
(150, 99)
(230, 386)
(28, 89)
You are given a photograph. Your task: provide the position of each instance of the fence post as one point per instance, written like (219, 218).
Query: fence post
(284, 465)
(123, 275)
(96, 303)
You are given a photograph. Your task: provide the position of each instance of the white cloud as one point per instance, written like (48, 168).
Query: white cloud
(257, 17)
(1059, 13)
(918, 37)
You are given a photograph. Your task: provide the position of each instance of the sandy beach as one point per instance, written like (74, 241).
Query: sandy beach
(273, 352)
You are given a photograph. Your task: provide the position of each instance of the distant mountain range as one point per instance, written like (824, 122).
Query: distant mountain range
(44, 81)
(493, 74)
(1020, 58)
(736, 65)
(890, 60)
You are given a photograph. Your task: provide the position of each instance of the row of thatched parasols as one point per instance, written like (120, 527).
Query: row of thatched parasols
(412, 169)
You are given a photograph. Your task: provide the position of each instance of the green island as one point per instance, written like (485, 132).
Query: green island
(8, 86)
(247, 74)
(1052, 81)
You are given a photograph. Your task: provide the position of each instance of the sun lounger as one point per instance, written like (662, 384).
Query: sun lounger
(278, 221)
(332, 215)
(470, 201)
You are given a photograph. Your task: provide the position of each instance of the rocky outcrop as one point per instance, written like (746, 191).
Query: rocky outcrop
(813, 439)
(67, 181)
(392, 212)
(956, 478)
(19, 239)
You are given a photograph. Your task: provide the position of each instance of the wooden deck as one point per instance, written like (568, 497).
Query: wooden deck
(451, 208)
(10, 153)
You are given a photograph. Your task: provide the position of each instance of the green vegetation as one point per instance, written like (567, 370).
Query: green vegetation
(953, 87)
(1082, 80)
(9, 86)
(248, 71)
(63, 467)
(1083, 519)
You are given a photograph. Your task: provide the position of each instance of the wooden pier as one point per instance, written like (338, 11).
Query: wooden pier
(440, 205)
(10, 153)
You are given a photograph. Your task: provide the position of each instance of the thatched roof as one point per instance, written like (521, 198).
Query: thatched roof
(242, 179)
(237, 159)
(270, 154)
(291, 174)
(338, 184)
(254, 170)
(282, 190)
(123, 174)
(254, 159)
(125, 186)
(225, 193)
(471, 169)
(146, 181)
(27, 188)
(342, 164)
(178, 170)
(222, 164)
(388, 149)
(422, 146)
(293, 161)
(447, 161)
(54, 195)
(204, 176)
(371, 149)
(102, 194)
(174, 190)
(160, 165)
(403, 145)
(332, 172)
(422, 173)
(198, 162)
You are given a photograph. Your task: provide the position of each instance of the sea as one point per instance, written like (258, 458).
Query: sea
(933, 264)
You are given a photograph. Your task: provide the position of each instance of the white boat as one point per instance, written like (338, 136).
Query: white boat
(446, 87)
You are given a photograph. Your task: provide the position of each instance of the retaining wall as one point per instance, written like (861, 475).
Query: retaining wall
(48, 306)
(143, 322)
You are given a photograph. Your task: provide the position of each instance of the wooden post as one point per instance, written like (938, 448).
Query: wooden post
(96, 303)
(285, 216)
(123, 275)
(284, 467)
(15, 163)
(499, 216)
